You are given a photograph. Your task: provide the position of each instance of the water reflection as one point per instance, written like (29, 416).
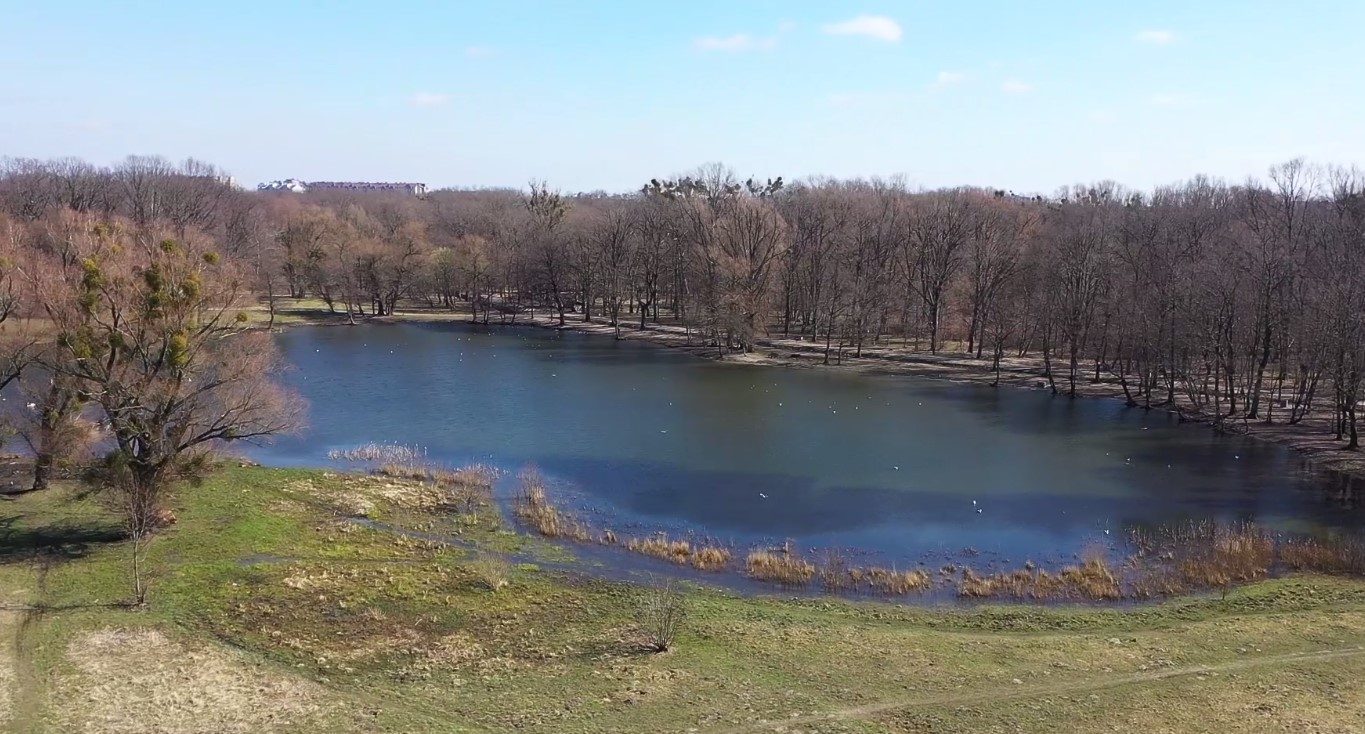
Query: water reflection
(649, 438)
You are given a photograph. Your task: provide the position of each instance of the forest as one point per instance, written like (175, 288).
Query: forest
(1231, 303)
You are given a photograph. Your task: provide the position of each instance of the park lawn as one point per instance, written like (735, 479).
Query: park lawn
(270, 612)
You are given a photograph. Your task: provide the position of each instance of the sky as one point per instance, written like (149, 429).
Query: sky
(1027, 96)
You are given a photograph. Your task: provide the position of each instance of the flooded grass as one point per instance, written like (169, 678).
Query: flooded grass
(1092, 580)
(659, 546)
(1333, 555)
(1166, 560)
(782, 566)
(891, 582)
(1198, 556)
(380, 453)
(533, 507)
(835, 575)
(681, 552)
(711, 558)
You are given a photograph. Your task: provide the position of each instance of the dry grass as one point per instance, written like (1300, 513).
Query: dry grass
(782, 566)
(493, 571)
(142, 681)
(1334, 555)
(711, 558)
(835, 574)
(681, 552)
(391, 454)
(469, 488)
(1200, 555)
(893, 582)
(1092, 579)
(533, 506)
(659, 546)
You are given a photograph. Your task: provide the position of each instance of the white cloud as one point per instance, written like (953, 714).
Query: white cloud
(737, 42)
(424, 100)
(1155, 37)
(1014, 86)
(879, 27)
(1103, 117)
(478, 52)
(947, 79)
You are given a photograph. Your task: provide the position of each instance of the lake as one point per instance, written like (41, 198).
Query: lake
(901, 469)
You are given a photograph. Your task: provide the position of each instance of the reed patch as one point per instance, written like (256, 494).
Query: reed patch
(782, 566)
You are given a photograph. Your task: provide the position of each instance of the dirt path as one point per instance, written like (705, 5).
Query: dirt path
(1009, 693)
(26, 714)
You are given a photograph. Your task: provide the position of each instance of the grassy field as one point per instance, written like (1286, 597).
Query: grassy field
(271, 612)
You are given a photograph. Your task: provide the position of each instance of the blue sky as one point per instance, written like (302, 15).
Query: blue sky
(1024, 95)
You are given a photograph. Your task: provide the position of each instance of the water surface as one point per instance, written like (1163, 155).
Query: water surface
(907, 470)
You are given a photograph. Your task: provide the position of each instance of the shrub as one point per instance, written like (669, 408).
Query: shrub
(835, 575)
(661, 612)
(493, 571)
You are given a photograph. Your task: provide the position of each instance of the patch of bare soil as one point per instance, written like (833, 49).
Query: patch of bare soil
(143, 681)
(358, 495)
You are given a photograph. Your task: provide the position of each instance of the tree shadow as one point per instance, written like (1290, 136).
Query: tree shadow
(61, 540)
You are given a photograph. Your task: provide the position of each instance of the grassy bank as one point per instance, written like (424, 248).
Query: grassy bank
(271, 612)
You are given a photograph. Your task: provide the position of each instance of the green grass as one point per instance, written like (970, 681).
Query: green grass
(404, 635)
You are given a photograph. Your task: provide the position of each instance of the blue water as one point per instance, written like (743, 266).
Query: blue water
(641, 438)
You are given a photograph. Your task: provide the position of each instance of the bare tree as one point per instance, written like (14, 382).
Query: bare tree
(152, 329)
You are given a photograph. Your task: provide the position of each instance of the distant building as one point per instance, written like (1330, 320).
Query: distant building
(298, 187)
(288, 184)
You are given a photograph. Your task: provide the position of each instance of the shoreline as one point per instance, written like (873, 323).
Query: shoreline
(1309, 439)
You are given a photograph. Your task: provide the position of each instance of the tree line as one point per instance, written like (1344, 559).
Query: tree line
(1231, 303)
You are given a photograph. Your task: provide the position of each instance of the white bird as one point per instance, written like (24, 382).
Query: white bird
(897, 468)
(764, 496)
(978, 510)
(973, 502)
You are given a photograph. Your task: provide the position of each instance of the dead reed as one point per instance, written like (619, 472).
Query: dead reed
(1331, 555)
(893, 582)
(1199, 555)
(782, 566)
(1092, 580)
(533, 507)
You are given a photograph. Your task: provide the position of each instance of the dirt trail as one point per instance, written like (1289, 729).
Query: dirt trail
(1007, 693)
(26, 714)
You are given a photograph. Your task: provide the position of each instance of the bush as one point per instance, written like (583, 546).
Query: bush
(493, 571)
(660, 614)
(835, 575)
